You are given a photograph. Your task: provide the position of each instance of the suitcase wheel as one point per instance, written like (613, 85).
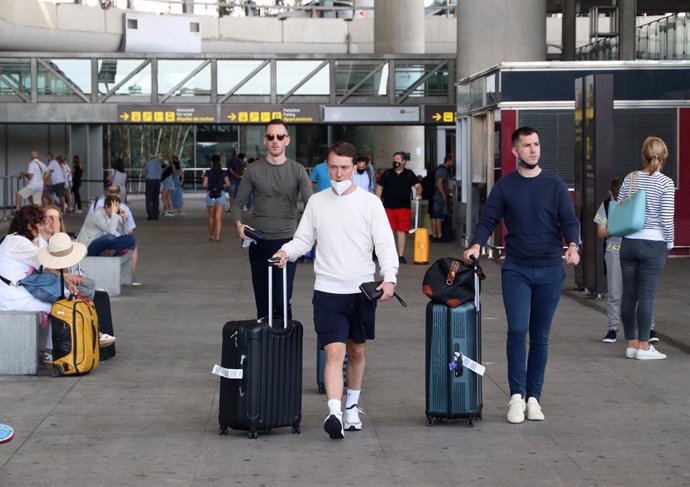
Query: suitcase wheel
(469, 422)
(223, 430)
(56, 371)
(430, 420)
(296, 429)
(253, 435)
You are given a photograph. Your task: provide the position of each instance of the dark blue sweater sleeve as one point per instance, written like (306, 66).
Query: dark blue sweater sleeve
(490, 217)
(570, 225)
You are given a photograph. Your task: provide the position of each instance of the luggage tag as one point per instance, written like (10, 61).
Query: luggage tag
(455, 366)
(228, 373)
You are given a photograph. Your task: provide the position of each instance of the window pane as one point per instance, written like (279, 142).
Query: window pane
(172, 72)
(114, 71)
(290, 73)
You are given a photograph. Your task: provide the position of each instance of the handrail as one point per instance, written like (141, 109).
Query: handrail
(667, 38)
(10, 186)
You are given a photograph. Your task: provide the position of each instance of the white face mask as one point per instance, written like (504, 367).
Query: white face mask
(341, 186)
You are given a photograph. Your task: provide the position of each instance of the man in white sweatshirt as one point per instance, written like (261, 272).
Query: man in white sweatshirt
(349, 223)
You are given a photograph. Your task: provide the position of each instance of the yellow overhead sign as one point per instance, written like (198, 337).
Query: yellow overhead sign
(167, 114)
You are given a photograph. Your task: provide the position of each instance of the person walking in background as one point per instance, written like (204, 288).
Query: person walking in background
(118, 177)
(537, 210)
(152, 172)
(349, 223)
(57, 182)
(215, 180)
(643, 253)
(319, 176)
(394, 190)
(178, 191)
(235, 170)
(67, 173)
(612, 268)
(364, 174)
(77, 172)
(167, 187)
(276, 182)
(33, 192)
(441, 196)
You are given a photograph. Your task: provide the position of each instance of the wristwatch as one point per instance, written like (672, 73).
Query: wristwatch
(573, 244)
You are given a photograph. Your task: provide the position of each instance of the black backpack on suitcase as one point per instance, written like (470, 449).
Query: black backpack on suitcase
(261, 372)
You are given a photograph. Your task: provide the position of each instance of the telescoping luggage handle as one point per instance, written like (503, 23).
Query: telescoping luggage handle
(271, 262)
(416, 217)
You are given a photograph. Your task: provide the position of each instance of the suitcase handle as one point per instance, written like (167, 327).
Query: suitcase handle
(271, 262)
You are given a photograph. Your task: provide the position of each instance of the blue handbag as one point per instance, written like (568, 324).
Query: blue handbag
(44, 286)
(627, 215)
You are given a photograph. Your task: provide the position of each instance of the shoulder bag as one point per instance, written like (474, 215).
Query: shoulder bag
(451, 282)
(44, 286)
(627, 215)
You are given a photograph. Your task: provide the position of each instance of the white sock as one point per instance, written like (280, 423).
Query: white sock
(334, 406)
(352, 397)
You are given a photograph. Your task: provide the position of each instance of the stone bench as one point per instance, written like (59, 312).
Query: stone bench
(109, 272)
(21, 338)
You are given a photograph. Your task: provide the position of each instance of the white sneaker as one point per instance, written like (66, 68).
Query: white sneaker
(630, 352)
(105, 340)
(651, 354)
(333, 425)
(351, 419)
(534, 410)
(516, 409)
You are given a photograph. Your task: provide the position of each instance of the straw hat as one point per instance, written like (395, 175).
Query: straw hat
(61, 252)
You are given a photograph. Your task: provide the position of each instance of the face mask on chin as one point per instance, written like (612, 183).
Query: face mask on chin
(360, 171)
(396, 164)
(523, 164)
(341, 186)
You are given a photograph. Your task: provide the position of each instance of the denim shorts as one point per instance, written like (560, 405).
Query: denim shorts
(438, 210)
(340, 317)
(221, 200)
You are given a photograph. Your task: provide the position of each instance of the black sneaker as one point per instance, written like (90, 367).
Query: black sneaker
(610, 337)
(334, 426)
(402, 259)
(652, 337)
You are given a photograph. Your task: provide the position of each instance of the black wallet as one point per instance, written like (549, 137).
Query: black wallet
(370, 291)
(253, 233)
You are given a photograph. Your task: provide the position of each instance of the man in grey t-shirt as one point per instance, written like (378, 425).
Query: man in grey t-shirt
(275, 182)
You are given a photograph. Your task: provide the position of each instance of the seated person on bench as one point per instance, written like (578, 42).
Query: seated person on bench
(105, 230)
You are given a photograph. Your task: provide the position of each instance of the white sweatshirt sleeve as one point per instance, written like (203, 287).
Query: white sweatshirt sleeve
(304, 237)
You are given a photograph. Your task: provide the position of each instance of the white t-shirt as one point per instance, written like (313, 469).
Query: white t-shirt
(56, 174)
(347, 229)
(37, 169)
(67, 173)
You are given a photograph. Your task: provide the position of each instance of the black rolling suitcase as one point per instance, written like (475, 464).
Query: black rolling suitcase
(453, 384)
(261, 372)
(101, 301)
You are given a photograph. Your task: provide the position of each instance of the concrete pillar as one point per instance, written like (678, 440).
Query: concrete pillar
(568, 30)
(87, 141)
(493, 31)
(188, 6)
(399, 29)
(627, 16)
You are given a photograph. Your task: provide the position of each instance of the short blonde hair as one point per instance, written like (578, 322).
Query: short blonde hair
(654, 154)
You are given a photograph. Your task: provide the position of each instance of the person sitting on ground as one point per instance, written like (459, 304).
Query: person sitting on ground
(104, 233)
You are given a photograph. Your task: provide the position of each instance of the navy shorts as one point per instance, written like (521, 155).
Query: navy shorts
(340, 317)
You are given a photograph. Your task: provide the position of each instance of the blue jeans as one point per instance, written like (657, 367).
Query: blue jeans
(642, 263)
(530, 297)
(111, 242)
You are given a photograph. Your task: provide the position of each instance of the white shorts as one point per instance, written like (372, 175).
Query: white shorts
(28, 191)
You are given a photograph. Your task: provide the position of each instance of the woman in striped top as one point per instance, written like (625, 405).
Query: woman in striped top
(643, 253)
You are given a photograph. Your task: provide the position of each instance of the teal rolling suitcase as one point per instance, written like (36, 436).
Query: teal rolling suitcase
(453, 394)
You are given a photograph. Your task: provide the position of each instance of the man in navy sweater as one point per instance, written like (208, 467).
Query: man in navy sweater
(539, 214)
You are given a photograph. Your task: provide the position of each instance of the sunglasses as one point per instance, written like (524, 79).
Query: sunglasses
(270, 137)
